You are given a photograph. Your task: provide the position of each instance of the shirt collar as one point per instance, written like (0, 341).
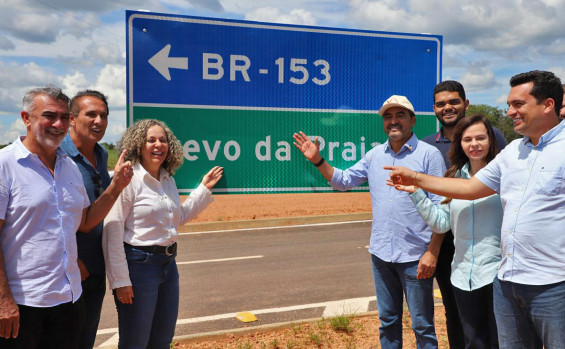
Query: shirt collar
(440, 138)
(546, 137)
(21, 152)
(69, 146)
(410, 144)
(142, 173)
(464, 172)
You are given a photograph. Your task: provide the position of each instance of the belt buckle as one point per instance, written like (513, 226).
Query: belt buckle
(170, 250)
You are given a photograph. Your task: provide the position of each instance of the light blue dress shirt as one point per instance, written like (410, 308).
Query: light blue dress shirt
(476, 231)
(398, 233)
(41, 215)
(530, 181)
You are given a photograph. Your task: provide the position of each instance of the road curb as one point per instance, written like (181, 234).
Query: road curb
(274, 222)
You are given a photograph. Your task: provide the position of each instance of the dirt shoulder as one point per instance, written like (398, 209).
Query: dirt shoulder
(262, 206)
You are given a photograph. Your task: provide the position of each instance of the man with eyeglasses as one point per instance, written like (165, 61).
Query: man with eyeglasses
(450, 105)
(89, 119)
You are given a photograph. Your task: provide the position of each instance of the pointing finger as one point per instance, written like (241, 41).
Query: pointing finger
(122, 157)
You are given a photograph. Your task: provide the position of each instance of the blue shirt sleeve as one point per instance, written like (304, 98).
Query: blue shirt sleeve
(352, 177)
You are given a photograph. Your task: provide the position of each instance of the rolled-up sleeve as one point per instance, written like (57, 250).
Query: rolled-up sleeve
(350, 178)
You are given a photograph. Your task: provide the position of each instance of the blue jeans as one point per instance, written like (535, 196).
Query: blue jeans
(477, 317)
(530, 316)
(93, 290)
(150, 321)
(391, 281)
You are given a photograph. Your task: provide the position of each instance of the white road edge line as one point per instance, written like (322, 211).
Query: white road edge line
(345, 306)
(221, 260)
(275, 227)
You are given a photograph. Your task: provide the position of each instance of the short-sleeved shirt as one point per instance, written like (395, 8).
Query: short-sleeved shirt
(531, 182)
(398, 233)
(41, 215)
(95, 180)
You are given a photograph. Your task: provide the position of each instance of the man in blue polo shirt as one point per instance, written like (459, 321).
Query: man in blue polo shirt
(89, 119)
(529, 291)
(399, 236)
(450, 105)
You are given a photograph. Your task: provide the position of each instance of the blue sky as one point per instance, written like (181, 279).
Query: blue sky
(81, 44)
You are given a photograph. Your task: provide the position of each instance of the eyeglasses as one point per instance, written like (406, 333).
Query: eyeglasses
(451, 102)
(97, 180)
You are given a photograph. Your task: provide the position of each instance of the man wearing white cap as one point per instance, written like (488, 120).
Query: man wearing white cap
(399, 236)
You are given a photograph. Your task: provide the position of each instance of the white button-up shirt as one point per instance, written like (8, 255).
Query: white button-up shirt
(148, 212)
(530, 181)
(41, 215)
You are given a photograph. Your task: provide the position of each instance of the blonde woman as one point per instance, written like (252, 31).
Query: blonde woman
(140, 234)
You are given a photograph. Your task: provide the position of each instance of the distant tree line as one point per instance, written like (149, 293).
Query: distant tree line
(497, 118)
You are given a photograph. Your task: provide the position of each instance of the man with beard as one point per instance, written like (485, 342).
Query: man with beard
(450, 105)
(89, 119)
(42, 204)
(399, 236)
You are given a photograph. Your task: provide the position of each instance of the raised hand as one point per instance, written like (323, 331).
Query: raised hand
(123, 172)
(212, 177)
(310, 150)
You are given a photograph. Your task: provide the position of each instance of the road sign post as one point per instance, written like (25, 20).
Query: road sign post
(234, 92)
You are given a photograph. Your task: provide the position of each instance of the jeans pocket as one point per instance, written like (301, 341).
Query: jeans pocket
(136, 256)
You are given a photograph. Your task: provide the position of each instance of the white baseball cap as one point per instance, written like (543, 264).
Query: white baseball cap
(396, 101)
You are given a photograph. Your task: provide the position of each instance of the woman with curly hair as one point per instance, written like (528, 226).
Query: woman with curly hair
(140, 233)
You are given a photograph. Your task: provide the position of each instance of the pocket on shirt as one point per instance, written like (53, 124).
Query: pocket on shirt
(549, 181)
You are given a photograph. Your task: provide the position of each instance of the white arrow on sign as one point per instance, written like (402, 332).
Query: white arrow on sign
(162, 62)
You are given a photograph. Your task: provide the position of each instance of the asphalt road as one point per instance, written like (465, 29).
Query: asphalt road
(279, 274)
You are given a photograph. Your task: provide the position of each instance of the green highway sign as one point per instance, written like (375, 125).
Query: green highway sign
(234, 92)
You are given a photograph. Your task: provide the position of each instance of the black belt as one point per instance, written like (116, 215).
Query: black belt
(157, 249)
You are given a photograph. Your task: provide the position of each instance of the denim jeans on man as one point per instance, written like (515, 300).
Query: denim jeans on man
(391, 281)
(150, 321)
(530, 316)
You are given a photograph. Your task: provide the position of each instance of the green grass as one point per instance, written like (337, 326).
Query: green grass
(342, 323)
(112, 158)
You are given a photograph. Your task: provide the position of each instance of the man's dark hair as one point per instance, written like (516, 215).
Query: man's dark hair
(546, 85)
(450, 86)
(87, 93)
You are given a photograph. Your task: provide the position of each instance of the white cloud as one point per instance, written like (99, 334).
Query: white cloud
(112, 82)
(71, 84)
(272, 14)
(104, 52)
(16, 129)
(477, 79)
(559, 72)
(502, 99)
(6, 44)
